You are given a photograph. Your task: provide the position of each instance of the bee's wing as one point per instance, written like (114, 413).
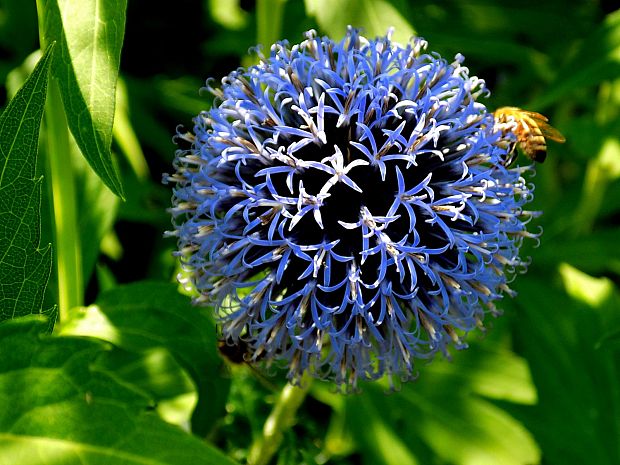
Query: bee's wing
(551, 133)
(547, 130)
(535, 116)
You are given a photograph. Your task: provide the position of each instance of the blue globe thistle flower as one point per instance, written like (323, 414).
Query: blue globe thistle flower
(346, 207)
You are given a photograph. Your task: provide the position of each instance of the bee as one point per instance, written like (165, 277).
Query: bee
(236, 353)
(532, 129)
(239, 353)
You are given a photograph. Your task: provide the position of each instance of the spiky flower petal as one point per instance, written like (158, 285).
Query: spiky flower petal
(346, 206)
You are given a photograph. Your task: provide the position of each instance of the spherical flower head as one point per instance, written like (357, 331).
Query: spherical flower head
(347, 208)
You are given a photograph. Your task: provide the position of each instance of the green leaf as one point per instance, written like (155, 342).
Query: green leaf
(228, 14)
(597, 60)
(269, 15)
(593, 252)
(145, 315)
(62, 410)
(125, 136)
(373, 16)
(377, 438)
(18, 20)
(97, 208)
(444, 414)
(459, 429)
(584, 288)
(24, 268)
(90, 37)
(156, 373)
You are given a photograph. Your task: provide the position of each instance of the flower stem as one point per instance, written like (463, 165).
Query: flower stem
(60, 175)
(282, 417)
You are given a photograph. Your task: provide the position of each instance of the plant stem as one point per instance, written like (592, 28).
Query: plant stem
(61, 176)
(282, 417)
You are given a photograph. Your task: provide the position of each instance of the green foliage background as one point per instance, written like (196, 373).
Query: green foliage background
(104, 361)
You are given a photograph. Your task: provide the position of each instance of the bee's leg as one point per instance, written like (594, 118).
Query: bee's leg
(511, 154)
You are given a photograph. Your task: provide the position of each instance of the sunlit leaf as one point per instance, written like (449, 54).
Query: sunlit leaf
(24, 268)
(585, 288)
(144, 315)
(492, 373)
(90, 36)
(65, 411)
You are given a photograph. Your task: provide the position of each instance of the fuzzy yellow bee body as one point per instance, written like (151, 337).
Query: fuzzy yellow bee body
(531, 129)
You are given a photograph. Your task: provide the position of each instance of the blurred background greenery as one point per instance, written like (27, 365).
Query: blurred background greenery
(542, 386)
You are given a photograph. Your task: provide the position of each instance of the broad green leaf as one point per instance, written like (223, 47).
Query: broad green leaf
(375, 17)
(90, 36)
(24, 268)
(577, 418)
(63, 410)
(157, 374)
(144, 315)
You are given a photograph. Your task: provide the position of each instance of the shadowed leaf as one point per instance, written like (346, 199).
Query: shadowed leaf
(144, 315)
(64, 411)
